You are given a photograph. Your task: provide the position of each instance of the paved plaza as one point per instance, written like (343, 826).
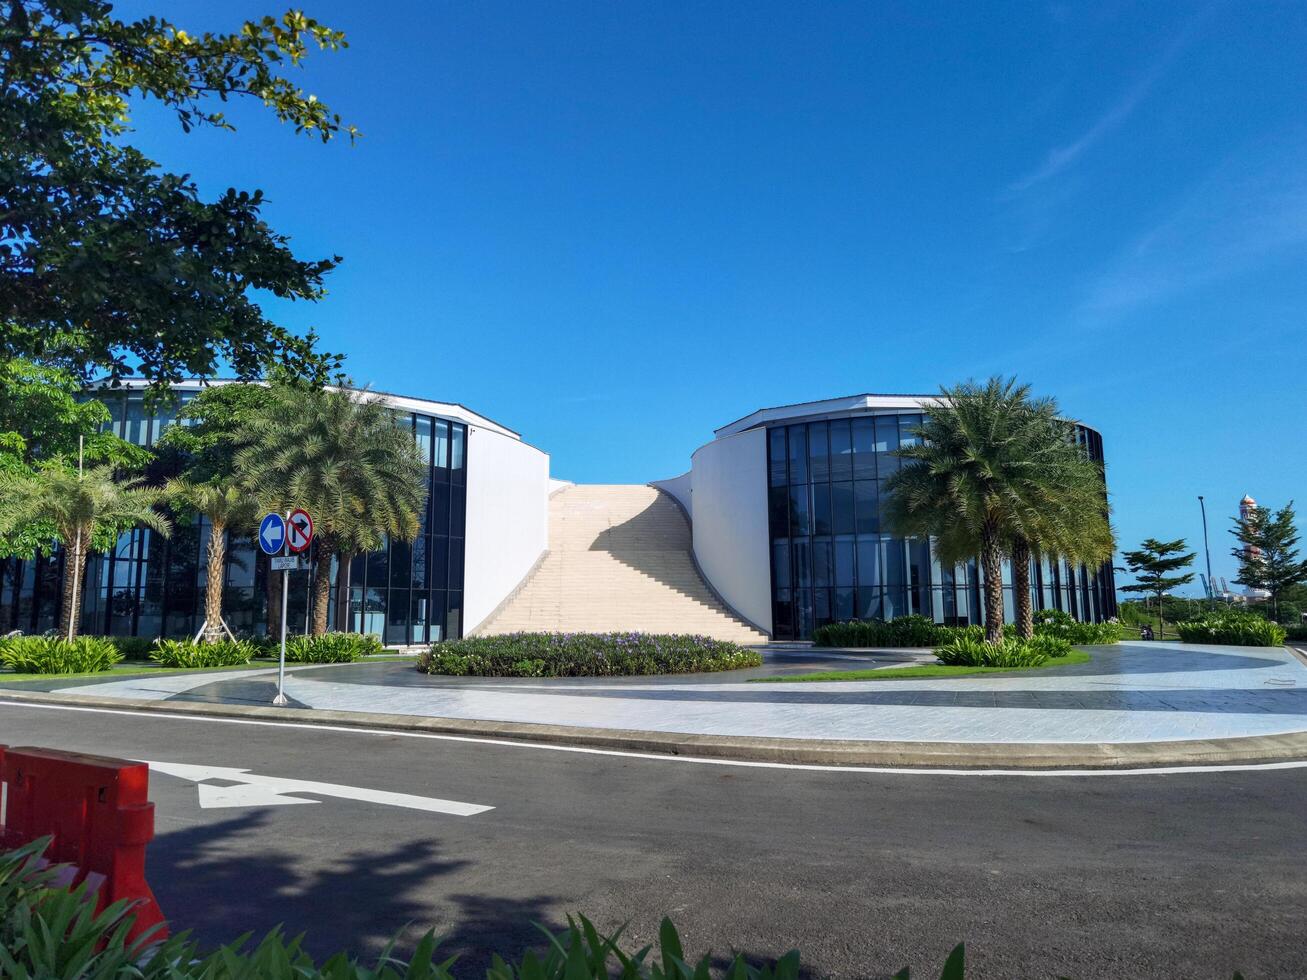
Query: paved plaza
(1127, 693)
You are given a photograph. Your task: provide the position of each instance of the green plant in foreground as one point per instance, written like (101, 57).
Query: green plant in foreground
(1233, 627)
(55, 655)
(332, 648)
(185, 653)
(1007, 652)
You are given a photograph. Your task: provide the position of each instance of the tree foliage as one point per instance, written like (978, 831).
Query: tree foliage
(996, 467)
(339, 455)
(43, 419)
(1268, 552)
(1153, 566)
(207, 435)
(106, 261)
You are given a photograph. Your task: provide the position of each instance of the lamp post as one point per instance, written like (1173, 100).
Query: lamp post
(1211, 585)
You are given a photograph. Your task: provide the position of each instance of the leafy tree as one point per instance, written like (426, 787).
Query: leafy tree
(339, 455)
(205, 443)
(226, 504)
(996, 467)
(106, 261)
(1152, 566)
(87, 511)
(43, 420)
(1268, 552)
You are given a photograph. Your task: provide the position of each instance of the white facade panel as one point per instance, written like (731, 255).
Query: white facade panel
(507, 519)
(728, 495)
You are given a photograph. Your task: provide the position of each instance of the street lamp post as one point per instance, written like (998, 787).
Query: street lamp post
(1211, 585)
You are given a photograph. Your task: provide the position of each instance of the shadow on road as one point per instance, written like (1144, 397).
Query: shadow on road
(223, 880)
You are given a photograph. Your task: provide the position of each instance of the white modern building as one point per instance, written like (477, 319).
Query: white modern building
(773, 530)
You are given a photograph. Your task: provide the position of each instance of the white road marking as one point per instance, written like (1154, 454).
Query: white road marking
(255, 790)
(658, 757)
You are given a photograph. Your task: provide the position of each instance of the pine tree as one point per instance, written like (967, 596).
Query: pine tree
(1268, 553)
(1152, 566)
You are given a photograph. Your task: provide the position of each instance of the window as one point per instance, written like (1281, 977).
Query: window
(819, 452)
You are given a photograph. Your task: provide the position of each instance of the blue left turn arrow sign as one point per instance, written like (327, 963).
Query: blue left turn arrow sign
(272, 534)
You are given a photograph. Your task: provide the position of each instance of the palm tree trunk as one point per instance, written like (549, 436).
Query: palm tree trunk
(213, 586)
(1021, 588)
(74, 583)
(991, 561)
(321, 590)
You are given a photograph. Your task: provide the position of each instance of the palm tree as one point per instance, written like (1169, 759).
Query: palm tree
(995, 472)
(227, 504)
(1067, 498)
(339, 455)
(87, 510)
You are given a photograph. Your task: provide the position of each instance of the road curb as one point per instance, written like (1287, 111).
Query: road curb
(924, 755)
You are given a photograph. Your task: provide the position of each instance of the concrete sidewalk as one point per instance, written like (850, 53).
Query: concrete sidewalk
(1133, 704)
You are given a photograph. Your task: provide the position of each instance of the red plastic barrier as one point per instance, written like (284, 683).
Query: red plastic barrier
(96, 810)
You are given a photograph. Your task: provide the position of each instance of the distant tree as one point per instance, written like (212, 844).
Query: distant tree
(340, 456)
(108, 263)
(228, 506)
(1153, 565)
(1268, 553)
(88, 510)
(44, 420)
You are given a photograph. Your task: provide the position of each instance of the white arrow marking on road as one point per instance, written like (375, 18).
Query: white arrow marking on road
(257, 790)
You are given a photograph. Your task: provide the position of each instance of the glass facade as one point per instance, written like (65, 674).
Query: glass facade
(831, 555)
(150, 585)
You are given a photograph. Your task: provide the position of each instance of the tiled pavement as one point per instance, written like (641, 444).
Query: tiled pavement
(1138, 692)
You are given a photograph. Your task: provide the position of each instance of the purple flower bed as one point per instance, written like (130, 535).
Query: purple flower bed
(584, 655)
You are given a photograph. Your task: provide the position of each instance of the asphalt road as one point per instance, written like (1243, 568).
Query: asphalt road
(1191, 875)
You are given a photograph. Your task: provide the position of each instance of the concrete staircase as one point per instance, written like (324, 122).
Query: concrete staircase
(619, 559)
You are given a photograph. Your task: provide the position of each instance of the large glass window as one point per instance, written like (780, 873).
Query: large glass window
(832, 555)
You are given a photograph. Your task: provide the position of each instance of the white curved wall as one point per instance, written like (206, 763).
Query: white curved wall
(507, 519)
(728, 497)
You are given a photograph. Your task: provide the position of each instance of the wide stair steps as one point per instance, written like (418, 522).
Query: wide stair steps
(619, 559)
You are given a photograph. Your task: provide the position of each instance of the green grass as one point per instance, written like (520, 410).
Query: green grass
(137, 667)
(920, 670)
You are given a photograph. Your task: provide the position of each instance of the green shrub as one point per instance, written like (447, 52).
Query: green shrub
(1232, 627)
(133, 647)
(184, 653)
(1296, 632)
(331, 648)
(584, 655)
(1009, 652)
(1055, 622)
(905, 631)
(1051, 646)
(55, 655)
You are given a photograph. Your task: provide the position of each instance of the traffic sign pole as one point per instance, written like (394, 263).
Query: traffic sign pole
(280, 699)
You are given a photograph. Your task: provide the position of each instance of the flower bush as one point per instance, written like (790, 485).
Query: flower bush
(331, 648)
(55, 655)
(1055, 622)
(584, 655)
(184, 653)
(1232, 627)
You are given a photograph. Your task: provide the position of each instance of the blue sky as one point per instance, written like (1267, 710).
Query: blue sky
(615, 226)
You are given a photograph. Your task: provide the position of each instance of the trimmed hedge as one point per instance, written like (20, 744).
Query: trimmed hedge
(1296, 632)
(184, 653)
(922, 631)
(133, 647)
(584, 655)
(56, 655)
(1056, 622)
(1232, 627)
(967, 651)
(330, 648)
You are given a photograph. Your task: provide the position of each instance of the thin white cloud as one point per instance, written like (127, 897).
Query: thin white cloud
(1059, 158)
(1251, 210)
